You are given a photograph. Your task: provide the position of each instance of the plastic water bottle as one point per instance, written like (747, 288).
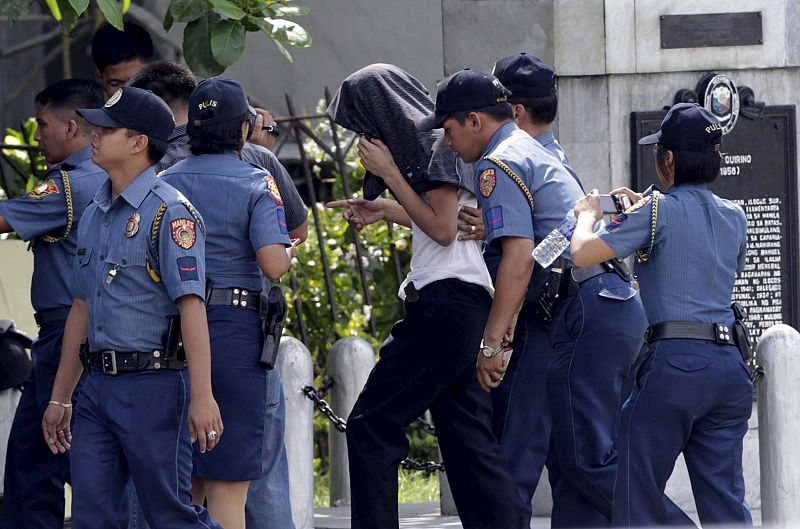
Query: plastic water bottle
(556, 241)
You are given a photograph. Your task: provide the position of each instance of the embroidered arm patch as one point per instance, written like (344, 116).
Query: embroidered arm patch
(187, 268)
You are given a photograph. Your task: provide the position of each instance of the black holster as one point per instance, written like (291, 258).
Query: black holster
(548, 300)
(741, 333)
(173, 340)
(272, 313)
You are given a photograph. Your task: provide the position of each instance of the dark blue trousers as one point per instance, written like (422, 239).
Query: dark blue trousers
(127, 427)
(521, 412)
(597, 335)
(690, 396)
(428, 362)
(34, 477)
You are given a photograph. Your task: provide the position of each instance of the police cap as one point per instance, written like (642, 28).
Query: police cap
(135, 109)
(687, 127)
(526, 76)
(462, 91)
(217, 100)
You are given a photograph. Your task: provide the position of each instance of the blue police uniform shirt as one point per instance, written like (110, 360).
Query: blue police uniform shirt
(506, 211)
(118, 241)
(296, 211)
(549, 142)
(700, 244)
(241, 205)
(44, 211)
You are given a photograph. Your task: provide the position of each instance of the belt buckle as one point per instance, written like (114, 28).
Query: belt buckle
(109, 362)
(722, 334)
(239, 298)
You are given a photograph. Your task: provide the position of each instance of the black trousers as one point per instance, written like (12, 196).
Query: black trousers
(428, 362)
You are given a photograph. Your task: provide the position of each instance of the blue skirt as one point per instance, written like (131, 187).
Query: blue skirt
(239, 385)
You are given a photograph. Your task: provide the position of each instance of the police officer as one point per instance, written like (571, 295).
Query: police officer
(140, 277)
(692, 391)
(118, 55)
(587, 383)
(597, 320)
(48, 217)
(246, 234)
(267, 504)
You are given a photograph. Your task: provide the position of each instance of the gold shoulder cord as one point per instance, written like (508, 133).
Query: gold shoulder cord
(70, 212)
(510, 172)
(155, 228)
(642, 255)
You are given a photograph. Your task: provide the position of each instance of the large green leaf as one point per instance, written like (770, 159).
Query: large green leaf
(227, 41)
(290, 11)
(197, 45)
(14, 9)
(229, 9)
(79, 6)
(113, 13)
(188, 10)
(288, 32)
(68, 15)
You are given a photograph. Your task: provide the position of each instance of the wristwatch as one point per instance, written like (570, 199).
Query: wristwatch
(490, 352)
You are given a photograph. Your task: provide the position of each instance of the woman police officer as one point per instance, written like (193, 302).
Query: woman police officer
(246, 231)
(691, 392)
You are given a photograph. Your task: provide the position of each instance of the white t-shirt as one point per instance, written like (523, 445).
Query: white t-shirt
(430, 261)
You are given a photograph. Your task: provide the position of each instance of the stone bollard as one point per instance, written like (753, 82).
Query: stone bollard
(349, 363)
(298, 372)
(779, 426)
(447, 505)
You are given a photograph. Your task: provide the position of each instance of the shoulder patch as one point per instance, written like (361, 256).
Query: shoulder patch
(639, 205)
(47, 187)
(616, 222)
(487, 182)
(184, 233)
(273, 189)
(494, 219)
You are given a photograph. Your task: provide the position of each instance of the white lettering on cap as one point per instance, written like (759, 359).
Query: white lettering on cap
(114, 98)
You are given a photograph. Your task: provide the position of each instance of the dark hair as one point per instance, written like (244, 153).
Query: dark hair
(542, 110)
(216, 138)
(499, 112)
(171, 81)
(690, 167)
(156, 149)
(71, 94)
(111, 46)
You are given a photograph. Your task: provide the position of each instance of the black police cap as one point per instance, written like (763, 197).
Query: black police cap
(462, 91)
(526, 76)
(688, 127)
(217, 100)
(135, 109)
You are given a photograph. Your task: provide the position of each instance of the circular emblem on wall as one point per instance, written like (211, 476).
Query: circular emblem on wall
(721, 98)
(114, 98)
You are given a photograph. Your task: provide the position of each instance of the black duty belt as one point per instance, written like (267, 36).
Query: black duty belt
(115, 362)
(49, 316)
(715, 332)
(578, 275)
(234, 297)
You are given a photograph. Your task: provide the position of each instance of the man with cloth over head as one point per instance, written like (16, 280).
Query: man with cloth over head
(140, 276)
(597, 321)
(48, 217)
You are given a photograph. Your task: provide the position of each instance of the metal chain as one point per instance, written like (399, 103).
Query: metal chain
(429, 467)
(319, 403)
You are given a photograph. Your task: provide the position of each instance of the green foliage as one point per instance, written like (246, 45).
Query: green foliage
(413, 487)
(31, 163)
(215, 34)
